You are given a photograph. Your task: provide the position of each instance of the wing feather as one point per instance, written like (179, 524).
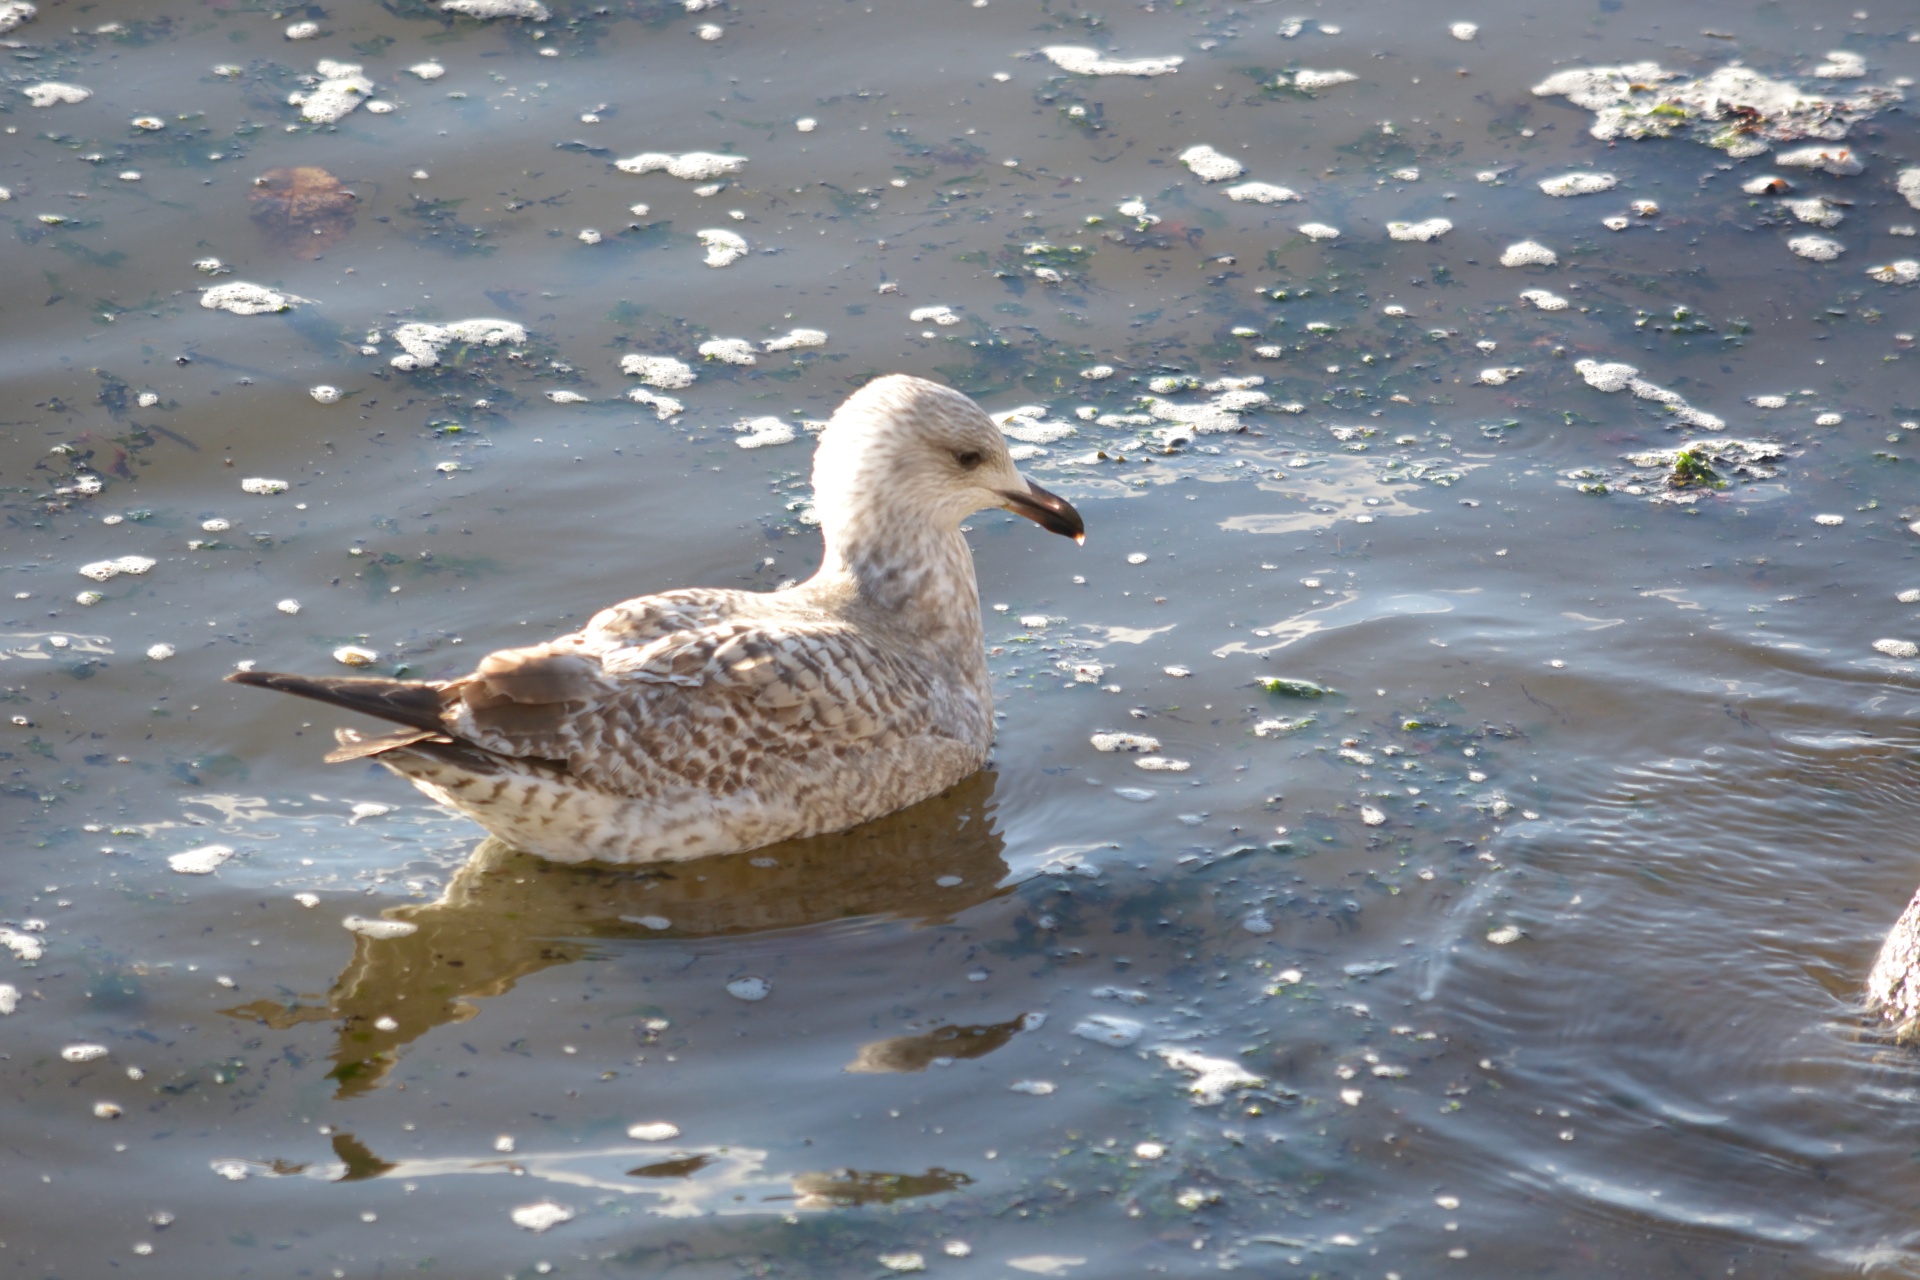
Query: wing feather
(679, 689)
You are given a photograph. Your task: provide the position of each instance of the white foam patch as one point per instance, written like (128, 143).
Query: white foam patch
(1734, 108)
(762, 433)
(1544, 301)
(653, 1131)
(1606, 377)
(729, 351)
(1261, 193)
(1312, 80)
(340, 89)
(1528, 253)
(531, 10)
(244, 299)
(1029, 424)
(664, 372)
(1137, 742)
(1841, 162)
(423, 343)
(1842, 64)
(1905, 271)
(379, 930)
(201, 861)
(694, 166)
(543, 1216)
(1579, 184)
(1212, 1077)
(1209, 165)
(1815, 211)
(1908, 185)
(1082, 61)
(663, 407)
(1319, 231)
(1816, 248)
(53, 93)
(1199, 419)
(101, 570)
(1430, 229)
(1613, 378)
(798, 338)
(724, 248)
(1109, 1029)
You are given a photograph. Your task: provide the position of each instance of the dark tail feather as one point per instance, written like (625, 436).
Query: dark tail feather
(453, 751)
(410, 702)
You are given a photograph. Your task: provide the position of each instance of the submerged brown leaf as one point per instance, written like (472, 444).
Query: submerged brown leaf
(302, 209)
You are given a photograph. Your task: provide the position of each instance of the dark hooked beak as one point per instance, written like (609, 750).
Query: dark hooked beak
(1048, 510)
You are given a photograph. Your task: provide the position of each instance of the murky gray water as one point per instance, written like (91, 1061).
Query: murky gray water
(1532, 947)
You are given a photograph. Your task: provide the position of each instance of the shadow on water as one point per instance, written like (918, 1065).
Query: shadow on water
(507, 914)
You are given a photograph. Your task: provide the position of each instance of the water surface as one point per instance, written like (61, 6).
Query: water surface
(1584, 998)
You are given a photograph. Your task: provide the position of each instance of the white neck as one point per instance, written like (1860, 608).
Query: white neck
(917, 576)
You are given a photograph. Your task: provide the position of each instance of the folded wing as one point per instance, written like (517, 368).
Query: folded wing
(672, 690)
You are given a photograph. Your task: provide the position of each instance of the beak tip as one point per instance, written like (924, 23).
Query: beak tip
(1048, 510)
(1079, 539)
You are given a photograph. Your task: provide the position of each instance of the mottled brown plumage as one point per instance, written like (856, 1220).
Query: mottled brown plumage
(710, 721)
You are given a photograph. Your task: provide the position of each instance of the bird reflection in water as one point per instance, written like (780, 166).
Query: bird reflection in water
(940, 1045)
(506, 915)
(679, 1181)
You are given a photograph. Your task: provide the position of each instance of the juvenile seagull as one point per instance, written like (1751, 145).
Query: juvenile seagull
(703, 721)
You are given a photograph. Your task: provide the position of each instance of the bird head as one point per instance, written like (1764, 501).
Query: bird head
(910, 446)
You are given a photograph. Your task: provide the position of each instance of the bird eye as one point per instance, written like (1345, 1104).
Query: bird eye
(968, 459)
